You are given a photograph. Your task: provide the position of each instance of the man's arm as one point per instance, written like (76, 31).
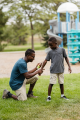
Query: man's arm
(69, 67)
(30, 75)
(33, 70)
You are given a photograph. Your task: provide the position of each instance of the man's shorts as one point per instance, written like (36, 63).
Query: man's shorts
(21, 92)
(53, 78)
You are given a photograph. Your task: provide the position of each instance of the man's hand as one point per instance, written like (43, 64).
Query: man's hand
(69, 69)
(40, 71)
(38, 65)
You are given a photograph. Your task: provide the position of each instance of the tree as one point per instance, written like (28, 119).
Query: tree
(35, 11)
(3, 20)
(45, 39)
(20, 31)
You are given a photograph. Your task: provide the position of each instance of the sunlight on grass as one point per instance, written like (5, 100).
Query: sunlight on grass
(37, 46)
(39, 109)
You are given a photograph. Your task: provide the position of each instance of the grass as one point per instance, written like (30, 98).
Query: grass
(39, 109)
(9, 47)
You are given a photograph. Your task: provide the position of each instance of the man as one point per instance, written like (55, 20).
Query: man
(19, 73)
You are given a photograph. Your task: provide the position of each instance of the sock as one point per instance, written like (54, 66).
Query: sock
(29, 92)
(62, 95)
(49, 96)
(9, 94)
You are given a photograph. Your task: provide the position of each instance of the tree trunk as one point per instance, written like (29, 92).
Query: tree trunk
(32, 36)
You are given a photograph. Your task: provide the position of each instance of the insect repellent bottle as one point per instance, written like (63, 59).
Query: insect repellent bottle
(38, 66)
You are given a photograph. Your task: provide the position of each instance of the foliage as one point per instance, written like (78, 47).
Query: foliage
(45, 39)
(34, 12)
(39, 108)
(17, 32)
(64, 40)
(3, 20)
(20, 32)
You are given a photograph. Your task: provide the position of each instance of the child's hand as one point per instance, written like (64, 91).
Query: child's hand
(69, 69)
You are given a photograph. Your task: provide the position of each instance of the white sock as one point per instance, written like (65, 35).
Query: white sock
(49, 96)
(62, 95)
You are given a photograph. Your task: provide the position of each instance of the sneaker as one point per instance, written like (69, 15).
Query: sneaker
(5, 94)
(48, 99)
(31, 95)
(64, 97)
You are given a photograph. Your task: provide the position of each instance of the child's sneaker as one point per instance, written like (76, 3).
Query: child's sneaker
(49, 99)
(64, 97)
(5, 94)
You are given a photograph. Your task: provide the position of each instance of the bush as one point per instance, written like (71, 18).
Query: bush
(2, 47)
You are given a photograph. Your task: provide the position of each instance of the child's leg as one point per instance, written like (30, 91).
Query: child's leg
(50, 89)
(61, 82)
(53, 78)
(49, 92)
(62, 88)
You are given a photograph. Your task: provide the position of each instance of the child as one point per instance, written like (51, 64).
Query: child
(57, 55)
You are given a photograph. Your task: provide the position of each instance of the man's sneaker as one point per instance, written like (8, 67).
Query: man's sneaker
(31, 95)
(49, 99)
(5, 94)
(64, 97)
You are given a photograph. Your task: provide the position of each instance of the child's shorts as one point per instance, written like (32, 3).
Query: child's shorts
(53, 78)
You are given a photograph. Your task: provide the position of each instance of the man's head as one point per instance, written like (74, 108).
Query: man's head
(52, 42)
(30, 54)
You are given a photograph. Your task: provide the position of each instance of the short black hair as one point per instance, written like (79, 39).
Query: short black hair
(52, 39)
(29, 52)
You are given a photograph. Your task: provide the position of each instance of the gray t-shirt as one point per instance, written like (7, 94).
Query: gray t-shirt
(57, 60)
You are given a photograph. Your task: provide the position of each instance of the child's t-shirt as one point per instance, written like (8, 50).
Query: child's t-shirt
(57, 60)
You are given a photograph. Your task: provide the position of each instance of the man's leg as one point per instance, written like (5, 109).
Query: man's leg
(7, 94)
(21, 92)
(31, 87)
(32, 82)
(13, 96)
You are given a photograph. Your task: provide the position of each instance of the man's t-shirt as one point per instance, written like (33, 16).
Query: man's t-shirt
(57, 60)
(17, 77)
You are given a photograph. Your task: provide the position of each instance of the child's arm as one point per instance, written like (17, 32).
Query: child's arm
(69, 67)
(43, 64)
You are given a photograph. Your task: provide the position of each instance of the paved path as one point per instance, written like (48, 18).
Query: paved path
(8, 59)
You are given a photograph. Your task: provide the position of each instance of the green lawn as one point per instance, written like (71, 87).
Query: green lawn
(38, 108)
(9, 47)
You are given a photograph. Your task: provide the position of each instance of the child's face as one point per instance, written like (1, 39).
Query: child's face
(52, 45)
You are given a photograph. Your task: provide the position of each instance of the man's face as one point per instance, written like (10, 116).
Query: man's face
(52, 45)
(31, 57)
